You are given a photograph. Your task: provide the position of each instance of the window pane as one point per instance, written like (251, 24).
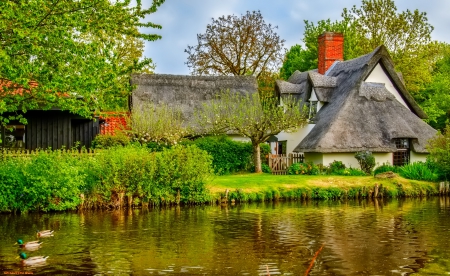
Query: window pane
(14, 136)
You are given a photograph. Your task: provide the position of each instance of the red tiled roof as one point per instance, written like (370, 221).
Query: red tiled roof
(14, 89)
(113, 121)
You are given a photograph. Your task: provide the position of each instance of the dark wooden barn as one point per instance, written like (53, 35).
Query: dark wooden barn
(54, 129)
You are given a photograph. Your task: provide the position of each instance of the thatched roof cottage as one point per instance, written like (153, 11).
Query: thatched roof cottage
(187, 92)
(355, 105)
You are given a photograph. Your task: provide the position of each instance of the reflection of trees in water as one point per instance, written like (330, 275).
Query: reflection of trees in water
(372, 237)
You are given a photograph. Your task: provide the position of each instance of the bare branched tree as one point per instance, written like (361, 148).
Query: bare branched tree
(235, 45)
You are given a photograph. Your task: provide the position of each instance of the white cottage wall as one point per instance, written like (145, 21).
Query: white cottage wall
(292, 139)
(379, 75)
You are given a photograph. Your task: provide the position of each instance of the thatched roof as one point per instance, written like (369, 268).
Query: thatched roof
(359, 115)
(187, 92)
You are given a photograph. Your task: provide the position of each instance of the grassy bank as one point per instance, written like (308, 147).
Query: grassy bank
(259, 187)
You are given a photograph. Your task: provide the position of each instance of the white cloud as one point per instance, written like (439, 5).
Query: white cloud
(182, 20)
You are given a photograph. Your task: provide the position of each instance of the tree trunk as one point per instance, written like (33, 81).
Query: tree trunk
(257, 157)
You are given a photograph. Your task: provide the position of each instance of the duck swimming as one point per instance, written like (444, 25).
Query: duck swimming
(32, 260)
(31, 245)
(44, 233)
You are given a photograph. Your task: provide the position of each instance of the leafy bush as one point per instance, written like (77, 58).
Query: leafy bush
(59, 180)
(386, 167)
(104, 141)
(182, 172)
(336, 167)
(439, 148)
(265, 168)
(366, 161)
(418, 171)
(304, 168)
(228, 155)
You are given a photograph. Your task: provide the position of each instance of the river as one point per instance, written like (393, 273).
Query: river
(360, 237)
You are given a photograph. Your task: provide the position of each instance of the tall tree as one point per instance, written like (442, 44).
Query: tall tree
(407, 36)
(250, 117)
(65, 53)
(305, 58)
(435, 95)
(235, 45)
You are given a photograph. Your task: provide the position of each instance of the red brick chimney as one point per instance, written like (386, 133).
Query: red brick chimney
(331, 48)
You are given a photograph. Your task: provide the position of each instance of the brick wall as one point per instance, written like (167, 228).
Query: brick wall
(331, 48)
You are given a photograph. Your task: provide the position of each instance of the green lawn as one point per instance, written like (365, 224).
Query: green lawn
(251, 183)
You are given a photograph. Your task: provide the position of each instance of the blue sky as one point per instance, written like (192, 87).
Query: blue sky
(182, 20)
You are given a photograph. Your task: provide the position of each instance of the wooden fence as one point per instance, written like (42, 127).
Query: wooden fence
(7, 152)
(279, 163)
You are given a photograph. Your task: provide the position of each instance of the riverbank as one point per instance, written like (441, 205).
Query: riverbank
(261, 187)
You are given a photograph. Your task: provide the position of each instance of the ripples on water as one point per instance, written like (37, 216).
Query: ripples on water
(396, 237)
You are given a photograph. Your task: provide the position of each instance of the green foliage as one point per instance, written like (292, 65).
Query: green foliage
(366, 161)
(183, 171)
(304, 59)
(47, 181)
(439, 148)
(386, 167)
(70, 48)
(308, 168)
(228, 156)
(406, 35)
(335, 167)
(295, 59)
(418, 171)
(104, 141)
(59, 180)
(435, 95)
(265, 168)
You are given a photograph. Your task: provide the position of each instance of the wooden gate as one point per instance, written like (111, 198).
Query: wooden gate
(279, 163)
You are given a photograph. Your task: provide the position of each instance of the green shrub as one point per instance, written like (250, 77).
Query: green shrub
(439, 148)
(336, 167)
(304, 168)
(183, 171)
(265, 168)
(58, 180)
(355, 172)
(104, 141)
(386, 167)
(418, 171)
(228, 155)
(366, 161)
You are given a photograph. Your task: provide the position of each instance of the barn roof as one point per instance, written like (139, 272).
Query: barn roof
(187, 92)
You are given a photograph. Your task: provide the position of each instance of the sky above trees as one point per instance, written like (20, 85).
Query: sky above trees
(182, 20)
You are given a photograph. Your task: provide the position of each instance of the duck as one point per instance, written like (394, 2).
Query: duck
(32, 260)
(31, 245)
(44, 233)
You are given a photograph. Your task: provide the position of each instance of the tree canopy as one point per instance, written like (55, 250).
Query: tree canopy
(68, 53)
(435, 95)
(234, 45)
(252, 116)
(407, 36)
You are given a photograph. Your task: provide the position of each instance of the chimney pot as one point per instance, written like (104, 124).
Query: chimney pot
(331, 49)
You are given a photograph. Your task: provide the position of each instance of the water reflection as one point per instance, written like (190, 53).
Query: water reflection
(359, 237)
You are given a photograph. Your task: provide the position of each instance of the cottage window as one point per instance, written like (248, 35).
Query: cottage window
(13, 136)
(402, 155)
